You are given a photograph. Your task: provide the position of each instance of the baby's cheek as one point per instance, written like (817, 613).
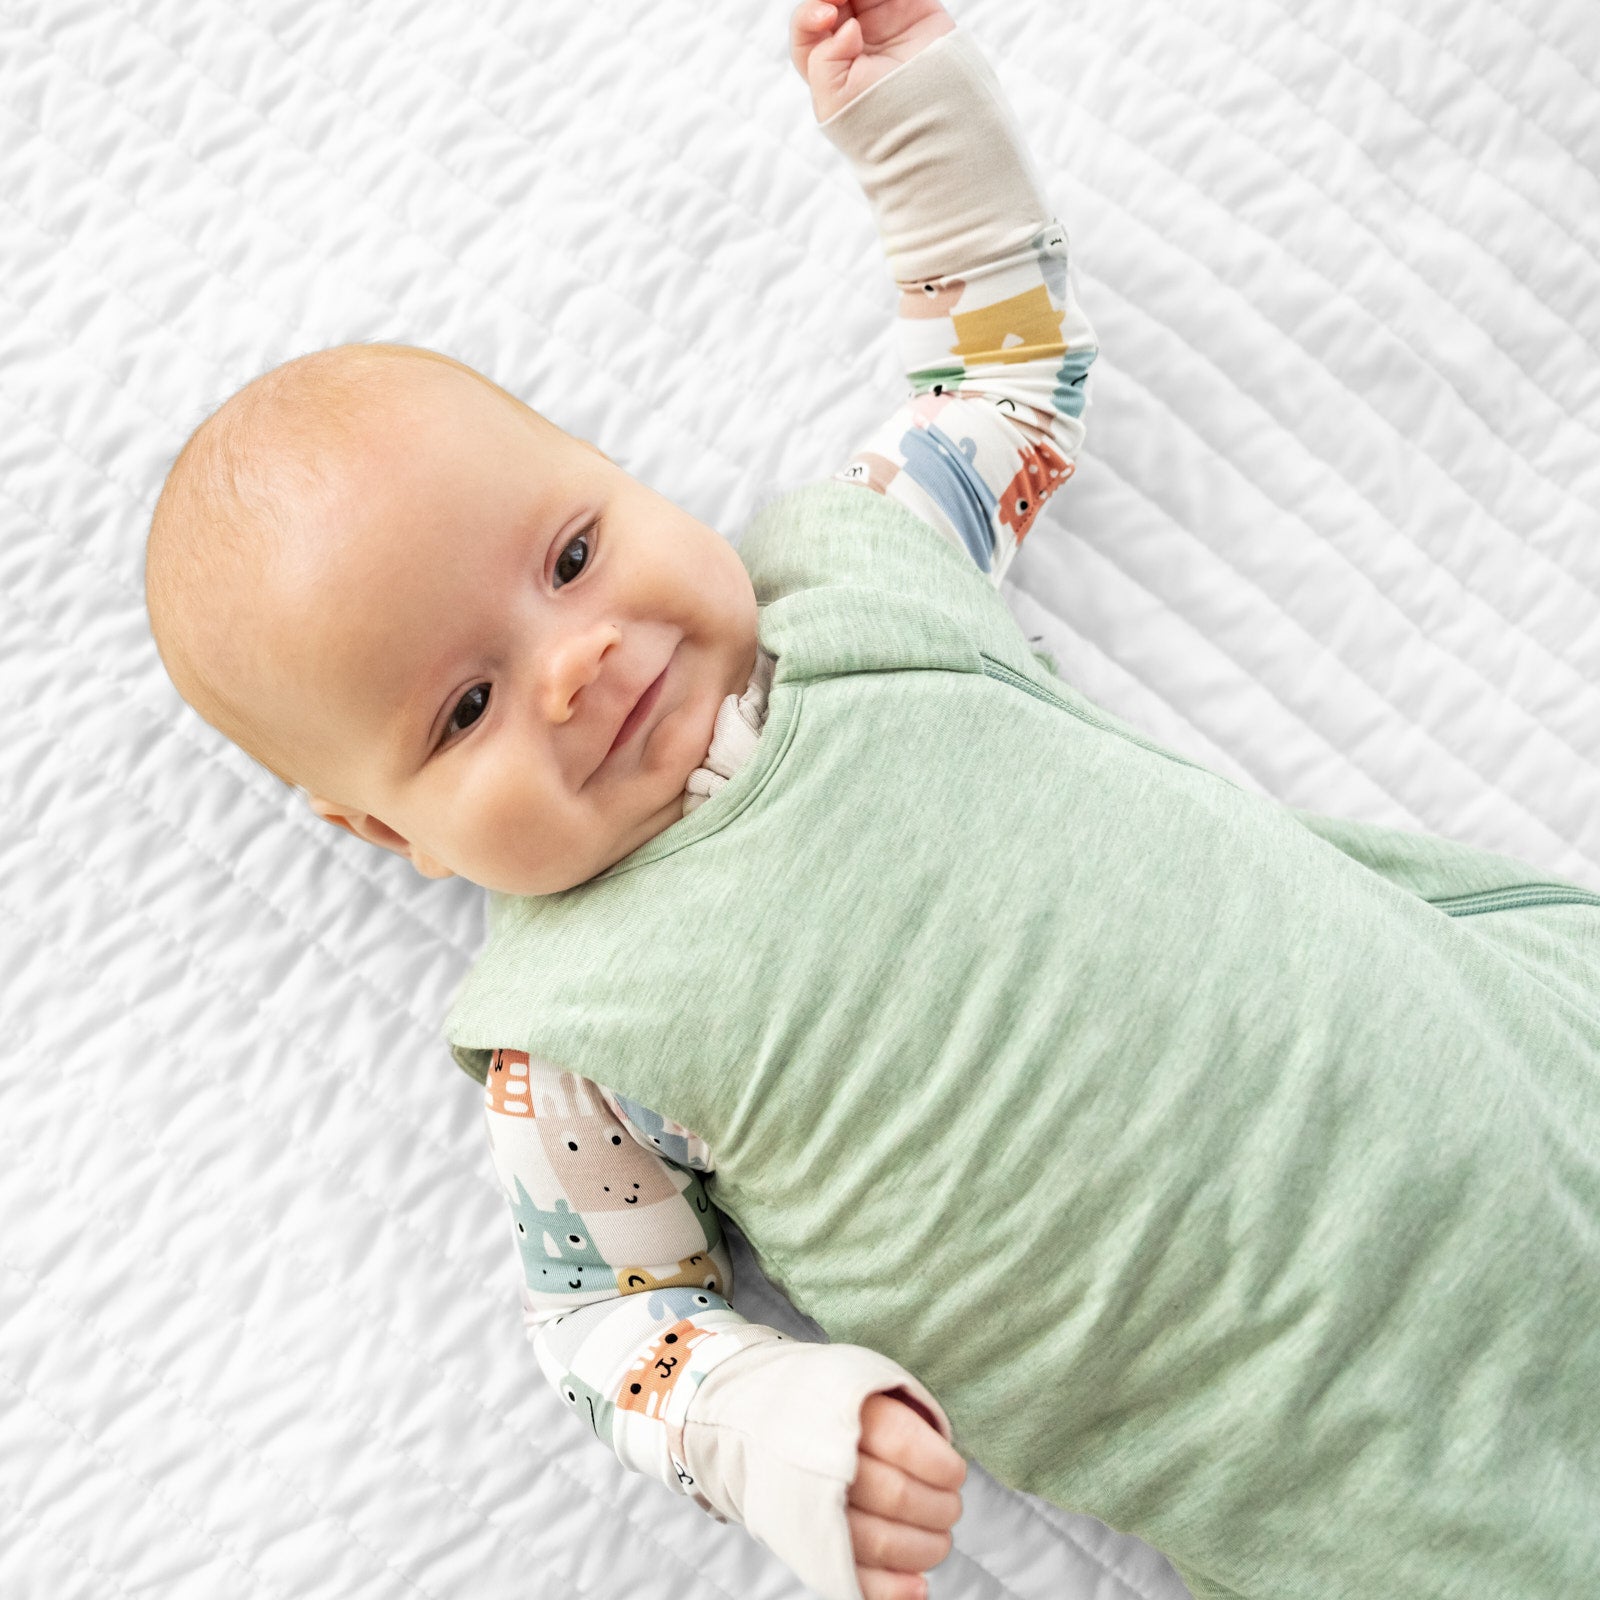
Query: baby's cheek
(681, 743)
(499, 832)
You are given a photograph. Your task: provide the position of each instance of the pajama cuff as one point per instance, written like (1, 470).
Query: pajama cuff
(772, 1437)
(942, 162)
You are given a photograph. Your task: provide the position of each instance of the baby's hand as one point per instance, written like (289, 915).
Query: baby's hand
(842, 49)
(903, 1502)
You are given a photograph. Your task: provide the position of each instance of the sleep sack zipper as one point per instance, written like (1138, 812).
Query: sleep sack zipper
(1004, 674)
(1514, 897)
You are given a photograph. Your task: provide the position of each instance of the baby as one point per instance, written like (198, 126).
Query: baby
(1228, 1172)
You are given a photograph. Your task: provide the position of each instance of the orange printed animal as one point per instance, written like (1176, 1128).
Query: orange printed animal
(1043, 470)
(505, 1089)
(651, 1379)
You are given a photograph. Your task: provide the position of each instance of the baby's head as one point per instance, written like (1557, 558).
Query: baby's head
(407, 593)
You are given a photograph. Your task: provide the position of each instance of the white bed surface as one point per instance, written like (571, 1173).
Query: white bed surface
(1335, 532)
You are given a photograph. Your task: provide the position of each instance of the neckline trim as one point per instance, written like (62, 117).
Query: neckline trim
(719, 809)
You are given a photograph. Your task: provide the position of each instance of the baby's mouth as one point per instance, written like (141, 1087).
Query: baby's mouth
(641, 710)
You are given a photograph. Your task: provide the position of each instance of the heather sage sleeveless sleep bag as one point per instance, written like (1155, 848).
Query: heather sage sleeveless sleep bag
(1218, 1181)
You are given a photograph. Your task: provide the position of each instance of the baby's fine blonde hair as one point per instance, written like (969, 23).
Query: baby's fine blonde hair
(267, 451)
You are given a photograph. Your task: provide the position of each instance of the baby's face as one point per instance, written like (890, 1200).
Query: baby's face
(501, 655)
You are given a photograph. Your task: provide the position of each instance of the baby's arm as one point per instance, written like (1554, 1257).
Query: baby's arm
(993, 340)
(626, 1282)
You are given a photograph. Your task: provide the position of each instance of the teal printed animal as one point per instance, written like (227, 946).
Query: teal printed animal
(599, 1413)
(1073, 372)
(710, 1222)
(557, 1257)
(1071, 376)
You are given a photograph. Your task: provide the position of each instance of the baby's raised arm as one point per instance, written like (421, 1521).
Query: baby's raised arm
(991, 336)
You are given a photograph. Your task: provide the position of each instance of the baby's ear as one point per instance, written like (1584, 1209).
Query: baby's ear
(375, 832)
(356, 822)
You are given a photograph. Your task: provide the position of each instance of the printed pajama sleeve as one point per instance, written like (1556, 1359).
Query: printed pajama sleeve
(990, 332)
(626, 1286)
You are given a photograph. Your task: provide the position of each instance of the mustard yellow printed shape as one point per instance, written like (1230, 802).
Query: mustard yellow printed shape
(694, 1272)
(1026, 327)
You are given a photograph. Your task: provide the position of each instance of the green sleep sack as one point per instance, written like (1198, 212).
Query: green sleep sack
(1230, 1173)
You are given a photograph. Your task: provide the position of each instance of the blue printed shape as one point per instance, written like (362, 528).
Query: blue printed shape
(1051, 246)
(682, 1303)
(1070, 377)
(945, 470)
(674, 1146)
(576, 1268)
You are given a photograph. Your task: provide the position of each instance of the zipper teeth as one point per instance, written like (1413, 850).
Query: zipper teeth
(1514, 897)
(998, 669)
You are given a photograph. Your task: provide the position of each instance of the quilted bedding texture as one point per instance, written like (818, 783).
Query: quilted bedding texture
(1335, 532)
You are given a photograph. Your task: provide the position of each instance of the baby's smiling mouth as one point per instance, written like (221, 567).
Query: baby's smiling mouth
(631, 722)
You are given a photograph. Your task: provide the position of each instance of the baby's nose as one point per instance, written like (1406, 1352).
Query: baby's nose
(572, 663)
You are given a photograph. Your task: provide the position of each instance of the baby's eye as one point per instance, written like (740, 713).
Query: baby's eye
(469, 708)
(565, 569)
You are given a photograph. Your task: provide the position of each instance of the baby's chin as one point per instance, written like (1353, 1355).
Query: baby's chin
(684, 734)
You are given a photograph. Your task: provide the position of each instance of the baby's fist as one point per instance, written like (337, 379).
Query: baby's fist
(841, 49)
(903, 1502)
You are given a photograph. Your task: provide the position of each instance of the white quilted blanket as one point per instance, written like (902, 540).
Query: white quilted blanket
(1334, 532)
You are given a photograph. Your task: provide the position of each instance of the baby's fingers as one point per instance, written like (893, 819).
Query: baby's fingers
(879, 1585)
(889, 1492)
(895, 1430)
(812, 22)
(880, 1544)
